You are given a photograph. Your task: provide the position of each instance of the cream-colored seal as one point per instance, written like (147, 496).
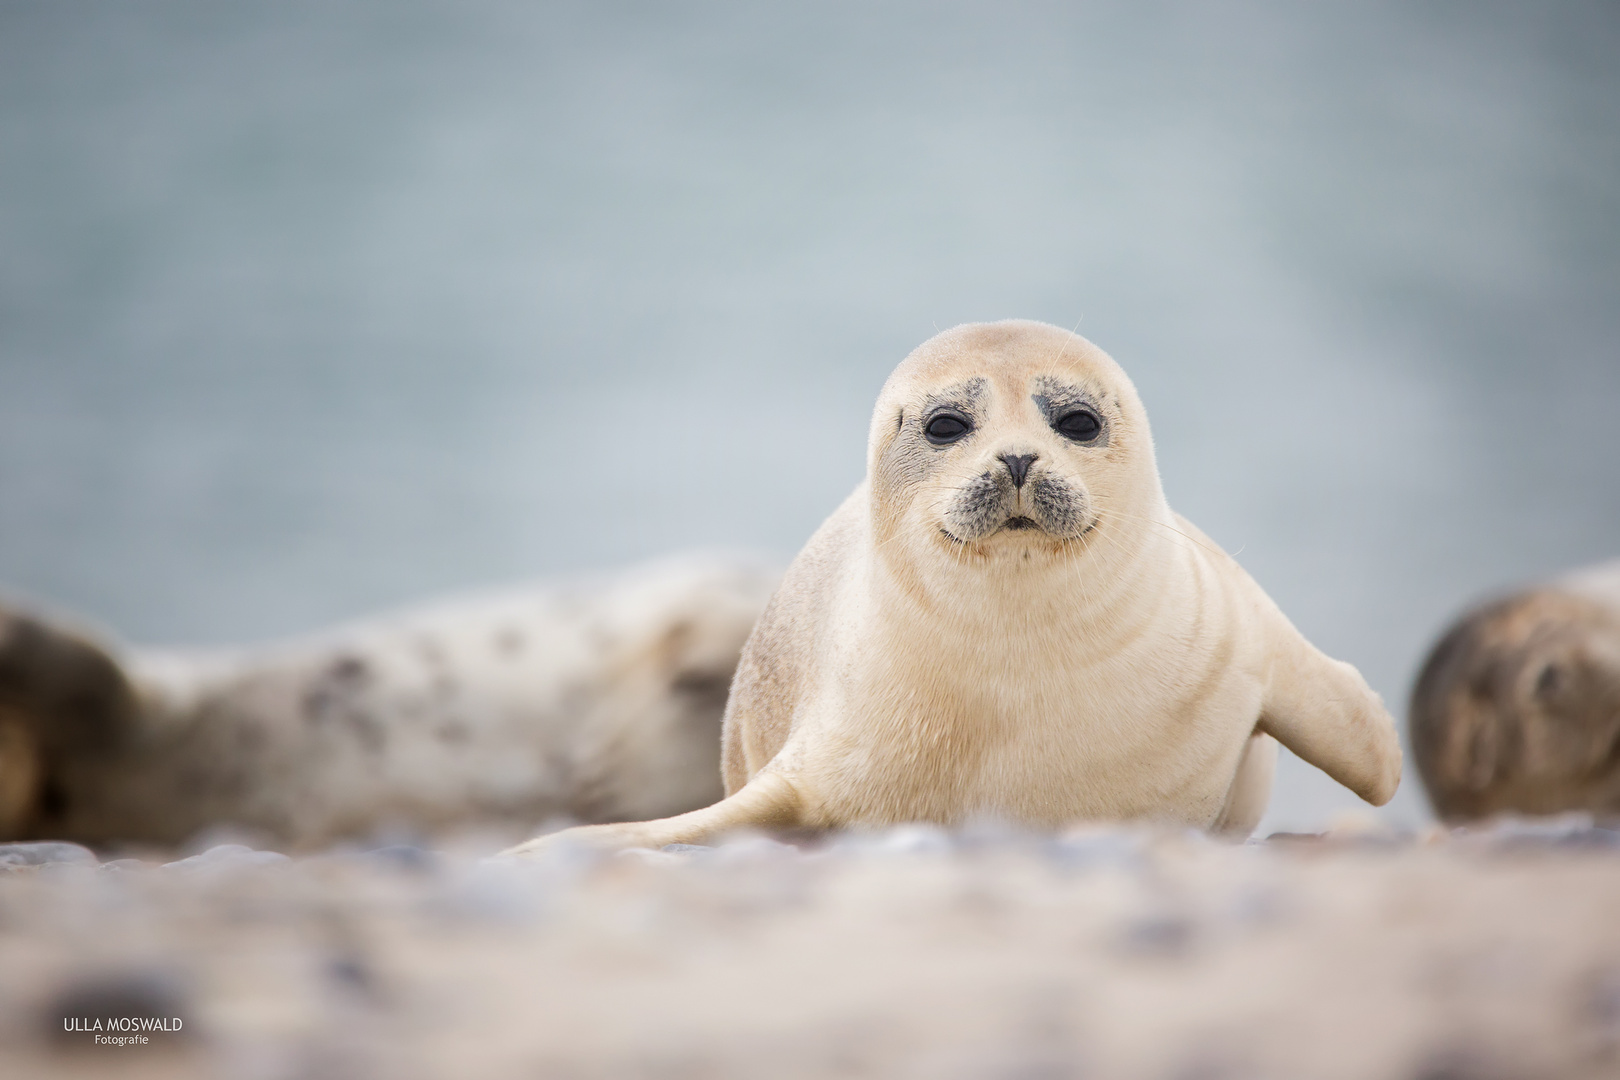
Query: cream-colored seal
(1517, 708)
(1006, 620)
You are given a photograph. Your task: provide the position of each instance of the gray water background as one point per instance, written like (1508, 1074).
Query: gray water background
(308, 309)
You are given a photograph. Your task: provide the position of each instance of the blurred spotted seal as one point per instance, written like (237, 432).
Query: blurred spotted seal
(599, 700)
(1517, 708)
(1006, 620)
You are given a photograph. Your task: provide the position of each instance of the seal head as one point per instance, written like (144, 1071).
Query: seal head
(1518, 708)
(1007, 442)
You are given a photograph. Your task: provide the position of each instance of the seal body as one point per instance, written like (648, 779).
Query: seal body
(1517, 707)
(1007, 620)
(598, 701)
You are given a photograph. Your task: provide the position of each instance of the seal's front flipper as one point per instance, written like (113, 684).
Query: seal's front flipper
(768, 801)
(1324, 711)
(1246, 799)
(63, 697)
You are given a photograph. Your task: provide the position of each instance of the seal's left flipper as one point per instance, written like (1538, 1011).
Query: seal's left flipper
(768, 801)
(1324, 711)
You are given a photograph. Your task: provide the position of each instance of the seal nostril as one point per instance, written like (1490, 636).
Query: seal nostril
(1018, 465)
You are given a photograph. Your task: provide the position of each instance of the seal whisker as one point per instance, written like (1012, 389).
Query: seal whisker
(1164, 525)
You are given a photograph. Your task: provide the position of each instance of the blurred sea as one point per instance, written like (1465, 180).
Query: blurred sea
(308, 309)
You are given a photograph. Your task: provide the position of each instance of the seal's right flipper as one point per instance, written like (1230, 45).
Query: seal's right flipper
(1324, 711)
(768, 801)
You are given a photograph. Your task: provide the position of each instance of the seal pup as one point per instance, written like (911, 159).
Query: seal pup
(1517, 707)
(1006, 620)
(599, 700)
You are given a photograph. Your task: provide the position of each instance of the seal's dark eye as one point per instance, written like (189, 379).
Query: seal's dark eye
(946, 428)
(1081, 425)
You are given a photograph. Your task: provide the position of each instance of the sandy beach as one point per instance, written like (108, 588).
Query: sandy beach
(911, 953)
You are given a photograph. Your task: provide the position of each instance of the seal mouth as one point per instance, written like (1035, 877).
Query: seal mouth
(1019, 522)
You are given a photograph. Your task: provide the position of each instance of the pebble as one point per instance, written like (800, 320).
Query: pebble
(227, 855)
(45, 853)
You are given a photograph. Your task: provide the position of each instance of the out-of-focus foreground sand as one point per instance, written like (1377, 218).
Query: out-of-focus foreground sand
(1117, 953)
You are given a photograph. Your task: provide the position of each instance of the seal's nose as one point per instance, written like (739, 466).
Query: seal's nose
(1018, 465)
